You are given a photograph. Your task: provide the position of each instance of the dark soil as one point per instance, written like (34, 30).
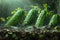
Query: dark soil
(16, 35)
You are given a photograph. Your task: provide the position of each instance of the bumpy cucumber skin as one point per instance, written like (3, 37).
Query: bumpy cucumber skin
(40, 19)
(31, 17)
(54, 20)
(15, 18)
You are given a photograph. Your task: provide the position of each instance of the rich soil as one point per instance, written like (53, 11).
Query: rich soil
(21, 35)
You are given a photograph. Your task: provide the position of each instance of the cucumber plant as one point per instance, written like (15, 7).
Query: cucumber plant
(40, 19)
(31, 17)
(54, 20)
(18, 16)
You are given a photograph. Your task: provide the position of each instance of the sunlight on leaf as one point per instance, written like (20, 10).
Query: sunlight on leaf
(45, 5)
(13, 12)
(18, 8)
(2, 19)
(8, 17)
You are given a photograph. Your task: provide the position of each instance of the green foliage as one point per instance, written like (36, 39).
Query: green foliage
(2, 19)
(13, 12)
(36, 16)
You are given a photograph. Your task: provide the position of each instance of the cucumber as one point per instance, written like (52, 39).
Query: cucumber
(18, 16)
(31, 17)
(53, 20)
(40, 19)
(49, 14)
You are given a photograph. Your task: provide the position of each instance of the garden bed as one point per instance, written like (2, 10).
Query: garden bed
(7, 34)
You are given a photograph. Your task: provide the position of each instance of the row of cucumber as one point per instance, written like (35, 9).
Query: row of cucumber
(33, 17)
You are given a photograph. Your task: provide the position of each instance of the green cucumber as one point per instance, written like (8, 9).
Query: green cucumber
(40, 19)
(18, 16)
(48, 17)
(53, 20)
(31, 17)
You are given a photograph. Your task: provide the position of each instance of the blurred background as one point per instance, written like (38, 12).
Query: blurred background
(6, 6)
